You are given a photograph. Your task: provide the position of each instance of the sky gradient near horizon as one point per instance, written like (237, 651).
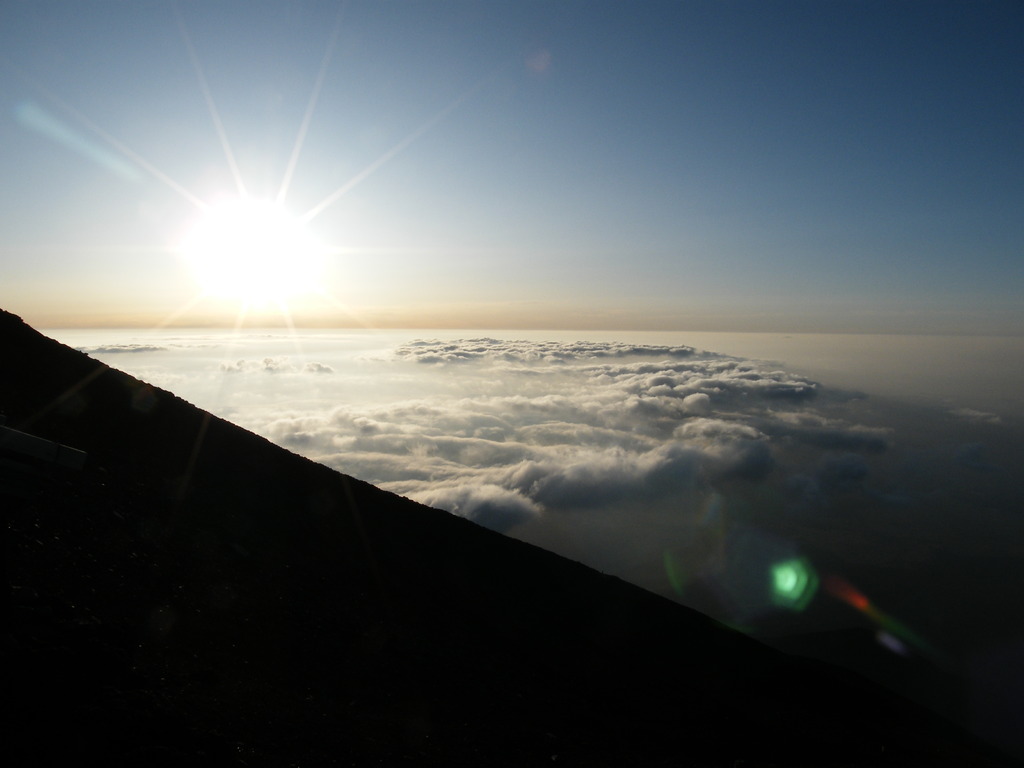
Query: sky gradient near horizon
(788, 166)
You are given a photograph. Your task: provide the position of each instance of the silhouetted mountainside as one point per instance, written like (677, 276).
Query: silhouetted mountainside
(195, 595)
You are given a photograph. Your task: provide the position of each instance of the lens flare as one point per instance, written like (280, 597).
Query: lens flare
(893, 629)
(794, 583)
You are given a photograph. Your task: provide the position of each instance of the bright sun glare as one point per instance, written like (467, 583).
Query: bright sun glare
(252, 251)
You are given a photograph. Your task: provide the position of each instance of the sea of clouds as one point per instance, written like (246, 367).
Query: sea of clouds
(730, 484)
(662, 463)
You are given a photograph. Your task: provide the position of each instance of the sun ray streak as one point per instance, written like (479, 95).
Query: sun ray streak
(210, 104)
(404, 144)
(307, 118)
(120, 146)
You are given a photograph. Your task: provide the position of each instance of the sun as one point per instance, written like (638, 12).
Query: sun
(252, 251)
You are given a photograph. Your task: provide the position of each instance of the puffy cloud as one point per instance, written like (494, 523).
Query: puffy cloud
(280, 364)
(569, 426)
(117, 349)
(593, 479)
(697, 403)
(317, 368)
(705, 429)
(461, 351)
(830, 434)
(578, 430)
(971, 414)
(489, 505)
(267, 364)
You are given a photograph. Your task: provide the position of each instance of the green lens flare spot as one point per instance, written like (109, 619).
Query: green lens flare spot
(793, 583)
(675, 571)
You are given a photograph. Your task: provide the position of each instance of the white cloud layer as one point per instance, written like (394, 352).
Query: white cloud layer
(529, 429)
(706, 478)
(633, 458)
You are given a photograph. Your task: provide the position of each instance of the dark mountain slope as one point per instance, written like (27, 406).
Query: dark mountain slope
(197, 595)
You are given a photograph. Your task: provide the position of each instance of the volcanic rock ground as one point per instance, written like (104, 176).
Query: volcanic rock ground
(195, 595)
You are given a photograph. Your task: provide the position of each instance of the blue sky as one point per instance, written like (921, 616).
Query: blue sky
(781, 166)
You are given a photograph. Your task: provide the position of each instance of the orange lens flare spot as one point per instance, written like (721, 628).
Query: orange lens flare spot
(843, 590)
